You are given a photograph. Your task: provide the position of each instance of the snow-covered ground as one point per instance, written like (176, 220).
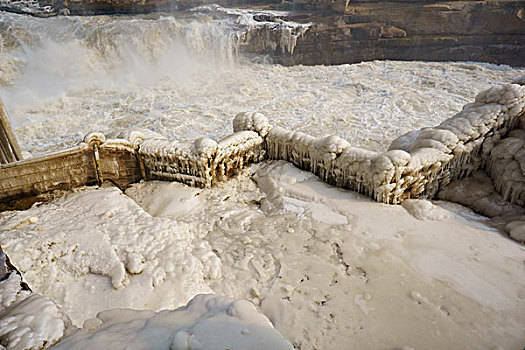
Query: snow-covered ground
(32, 321)
(329, 268)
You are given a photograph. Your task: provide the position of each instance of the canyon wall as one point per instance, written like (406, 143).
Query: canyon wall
(342, 31)
(489, 31)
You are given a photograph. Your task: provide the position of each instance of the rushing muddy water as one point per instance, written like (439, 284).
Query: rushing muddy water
(184, 77)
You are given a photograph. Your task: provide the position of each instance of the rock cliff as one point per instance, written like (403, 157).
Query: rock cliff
(490, 31)
(343, 31)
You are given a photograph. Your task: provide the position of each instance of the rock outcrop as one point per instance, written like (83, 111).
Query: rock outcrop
(343, 31)
(98, 7)
(490, 31)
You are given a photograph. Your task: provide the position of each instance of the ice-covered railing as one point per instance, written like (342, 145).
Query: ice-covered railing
(463, 143)
(128, 158)
(333, 159)
(417, 164)
(200, 163)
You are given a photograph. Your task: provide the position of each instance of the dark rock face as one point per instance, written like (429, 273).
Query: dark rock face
(344, 31)
(490, 31)
(99, 7)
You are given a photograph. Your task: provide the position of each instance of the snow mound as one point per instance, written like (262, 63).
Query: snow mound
(207, 322)
(33, 323)
(423, 209)
(11, 291)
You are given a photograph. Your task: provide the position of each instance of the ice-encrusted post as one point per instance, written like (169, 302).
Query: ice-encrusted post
(94, 140)
(9, 149)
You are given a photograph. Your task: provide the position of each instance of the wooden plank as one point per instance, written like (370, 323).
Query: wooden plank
(32, 179)
(45, 163)
(4, 157)
(24, 170)
(59, 171)
(5, 147)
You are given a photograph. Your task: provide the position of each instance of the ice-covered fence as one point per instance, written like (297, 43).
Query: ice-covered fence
(128, 159)
(333, 159)
(417, 164)
(202, 162)
(187, 162)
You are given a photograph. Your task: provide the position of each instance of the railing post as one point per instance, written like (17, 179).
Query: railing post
(94, 140)
(9, 149)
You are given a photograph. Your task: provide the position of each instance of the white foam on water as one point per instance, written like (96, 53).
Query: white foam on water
(180, 77)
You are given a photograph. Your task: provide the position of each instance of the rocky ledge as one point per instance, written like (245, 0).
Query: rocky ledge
(489, 31)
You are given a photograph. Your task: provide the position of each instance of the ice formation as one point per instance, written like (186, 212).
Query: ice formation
(163, 256)
(208, 322)
(202, 162)
(271, 23)
(33, 323)
(486, 134)
(499, 195)
(423, 209)
(417, 164)
(186, 162)
(478, 193)
(31, 7)
(506, 166)
(11, 291)
(28, 321)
